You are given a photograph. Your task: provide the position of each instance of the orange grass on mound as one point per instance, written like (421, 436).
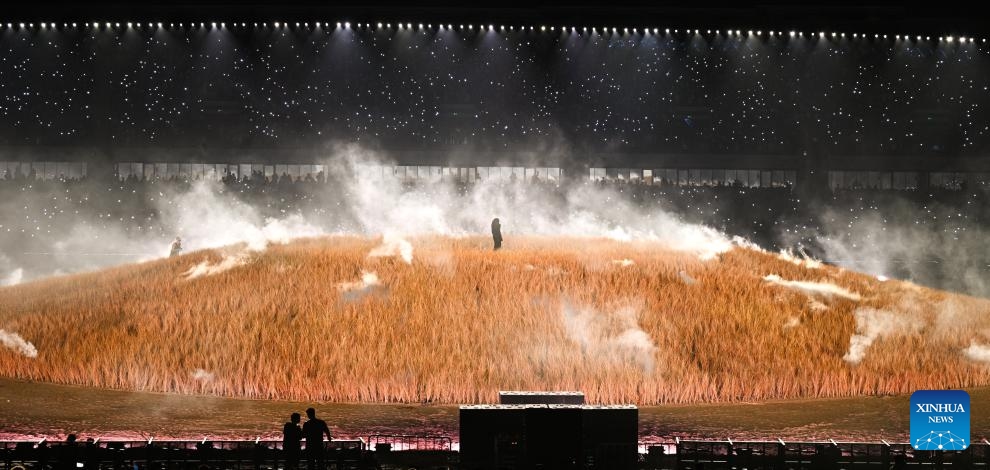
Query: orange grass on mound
(462, 322)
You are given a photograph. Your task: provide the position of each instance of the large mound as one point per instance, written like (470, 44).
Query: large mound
(448, 320)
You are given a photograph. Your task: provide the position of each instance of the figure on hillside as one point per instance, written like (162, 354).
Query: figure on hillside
(497, 233)
(176, 247)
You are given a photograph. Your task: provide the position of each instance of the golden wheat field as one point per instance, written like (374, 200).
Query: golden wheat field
(320, 319)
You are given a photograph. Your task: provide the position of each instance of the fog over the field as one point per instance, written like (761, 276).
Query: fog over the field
(208, 215)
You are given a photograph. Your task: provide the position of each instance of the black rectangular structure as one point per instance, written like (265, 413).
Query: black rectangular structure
(517, 397)
(549, 436)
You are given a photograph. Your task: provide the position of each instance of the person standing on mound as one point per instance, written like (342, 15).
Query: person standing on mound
(175, 249)
(497, 233)
(314, 429)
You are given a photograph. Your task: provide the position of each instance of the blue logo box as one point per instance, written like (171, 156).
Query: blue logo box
(940, 420)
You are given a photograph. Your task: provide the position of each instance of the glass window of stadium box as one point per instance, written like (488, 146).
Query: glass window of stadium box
(42, 170)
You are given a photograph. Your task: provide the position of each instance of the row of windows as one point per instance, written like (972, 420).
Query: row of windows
(668, 176)
(697, 176)
(461, 174)
(906, 179)
(42, 170)
(215, 171)
(958, 180)
(873, 179)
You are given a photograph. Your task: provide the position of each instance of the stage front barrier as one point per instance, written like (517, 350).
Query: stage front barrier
(507, 452)
(779, 454)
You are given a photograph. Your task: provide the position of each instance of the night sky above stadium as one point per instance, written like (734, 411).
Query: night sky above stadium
(429, 86)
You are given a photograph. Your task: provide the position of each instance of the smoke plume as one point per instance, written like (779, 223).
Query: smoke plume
(614, 338)
(206, 268)
(16, 343)
(354, 290)
(978, 352)
(820, 288)
(393, 245)
(872, 324)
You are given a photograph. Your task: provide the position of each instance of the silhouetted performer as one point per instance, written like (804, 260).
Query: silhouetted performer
(497, 233)
(176, 247)
(314, 429)
(292, 434)
(68, 453)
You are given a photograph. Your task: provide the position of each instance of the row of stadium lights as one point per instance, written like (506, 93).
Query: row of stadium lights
(470, 27)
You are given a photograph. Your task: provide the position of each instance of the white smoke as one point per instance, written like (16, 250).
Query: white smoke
(614, 338)
(821, 288)
(201, 375)
(15, 277)
(801, 259)
(872, 324)
(16, 273)
(384, 205)
(206, 219)
(206, 268)
(356, 289)
(686, 278)
(16, 343)
(817, 306)
(211, 215)
(744, 243)
(977, 352)
(940, 250)
(393, 245)
(623, 262)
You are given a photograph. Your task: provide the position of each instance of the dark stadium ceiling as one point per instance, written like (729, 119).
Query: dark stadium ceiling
(956, 18)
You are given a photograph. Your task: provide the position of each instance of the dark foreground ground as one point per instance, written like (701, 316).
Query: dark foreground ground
(30, 410)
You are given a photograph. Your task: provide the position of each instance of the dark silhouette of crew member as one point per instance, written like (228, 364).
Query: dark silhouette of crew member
(313, 430)
(292, 434)
(497, 233)
(68, 453)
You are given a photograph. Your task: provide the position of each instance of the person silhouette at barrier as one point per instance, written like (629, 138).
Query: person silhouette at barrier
(68, 453)
(292, 434)
(314, 429)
